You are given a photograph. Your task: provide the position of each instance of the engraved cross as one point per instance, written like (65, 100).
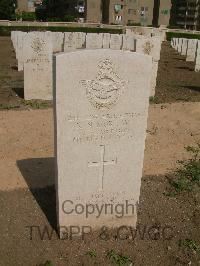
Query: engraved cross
(102, 163)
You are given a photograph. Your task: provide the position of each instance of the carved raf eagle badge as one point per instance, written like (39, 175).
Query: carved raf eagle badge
(105, 90)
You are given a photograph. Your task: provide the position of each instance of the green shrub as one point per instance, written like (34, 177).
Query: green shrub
(188, 175)
(28, 16)
(171, 35)
(69, 18)
(6, 30)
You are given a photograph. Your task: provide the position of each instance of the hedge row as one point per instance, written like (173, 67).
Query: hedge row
(6, 30)
(171, 35)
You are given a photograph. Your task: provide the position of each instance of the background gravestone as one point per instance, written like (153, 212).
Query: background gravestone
(191, 50)
(38, 50)
(184, 46)
(116, 41)
(94, 40)
(150, 46)
(101, 109)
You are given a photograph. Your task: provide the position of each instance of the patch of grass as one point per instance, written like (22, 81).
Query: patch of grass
(8, 106)
(153, 99)
(92, 253)
(190, 244)
(189, 173)
(35, 104)
(119, 259)
(47, 263)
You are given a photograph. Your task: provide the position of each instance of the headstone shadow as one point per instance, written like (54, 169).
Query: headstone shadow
(193, 88)
(39, 176)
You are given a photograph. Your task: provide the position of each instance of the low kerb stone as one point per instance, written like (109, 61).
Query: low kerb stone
(101, 108)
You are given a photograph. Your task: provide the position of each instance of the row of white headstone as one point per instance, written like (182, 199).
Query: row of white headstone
(189, 48)
(34, 52)
(101, 99)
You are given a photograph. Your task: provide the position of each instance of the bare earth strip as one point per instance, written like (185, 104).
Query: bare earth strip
(26, 143)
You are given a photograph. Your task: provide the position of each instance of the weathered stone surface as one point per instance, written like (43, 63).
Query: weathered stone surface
(106, 40)
(116, 42)
(80, 40)
(69, 42)
(184, 46)
(191, 51)
(129, 43)
(180, 45)
(101, 108)
(94, 41)
(149, 46)
(58, 42)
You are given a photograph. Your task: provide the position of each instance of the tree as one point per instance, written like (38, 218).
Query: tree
(7, 9)
(56, 9)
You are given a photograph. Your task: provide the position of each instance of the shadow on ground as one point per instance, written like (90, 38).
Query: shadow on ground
(39, 176)
(193, 88)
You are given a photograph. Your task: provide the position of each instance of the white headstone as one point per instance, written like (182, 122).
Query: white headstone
(106, 40)
(38, 51)
(80, 40)
(101, 109)
(177, 44)
(197, 61)
(58, 42)
(180, 45)
(184, 46)
(69, 42)
(129, 43)
(94, 41)
(20, 50)
(116, 41)
(191, 51)
(150, 46)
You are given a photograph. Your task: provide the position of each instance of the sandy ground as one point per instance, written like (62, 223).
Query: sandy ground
(26, 143)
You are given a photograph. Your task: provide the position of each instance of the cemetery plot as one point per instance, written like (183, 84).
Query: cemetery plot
(100, 120)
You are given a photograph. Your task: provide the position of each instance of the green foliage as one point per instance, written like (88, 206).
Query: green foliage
(7, 9)
(28, 16)
(189, 173)
(118, 259)
(9, 106)
(171, 35)
(153, 99)
(190, 244)
(6, 30)
(92, 253)
(133, 24)
(36, 104)
(57, 9)
(69, 18)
